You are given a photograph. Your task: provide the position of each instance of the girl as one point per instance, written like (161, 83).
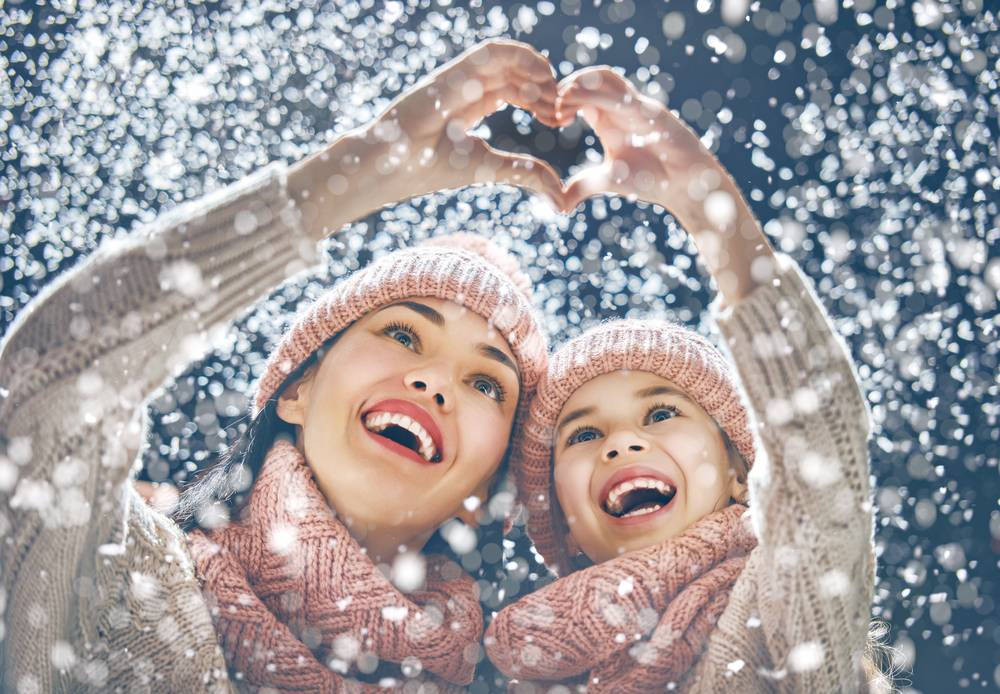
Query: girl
(637, 450)
(400, 388)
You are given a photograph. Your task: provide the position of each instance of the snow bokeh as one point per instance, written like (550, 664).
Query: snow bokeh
(863, 133)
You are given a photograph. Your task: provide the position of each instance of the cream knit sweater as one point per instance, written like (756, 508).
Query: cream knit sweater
(96, 590)
(798, 617)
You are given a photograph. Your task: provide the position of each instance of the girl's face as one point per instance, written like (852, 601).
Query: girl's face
(408, 415)
(637, 461)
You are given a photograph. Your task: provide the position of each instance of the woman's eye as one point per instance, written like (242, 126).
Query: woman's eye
(402, 334)
(489, 388)
(402, 338)
(660, 414)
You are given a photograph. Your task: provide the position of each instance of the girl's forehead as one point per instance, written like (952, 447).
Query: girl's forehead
(612, 390)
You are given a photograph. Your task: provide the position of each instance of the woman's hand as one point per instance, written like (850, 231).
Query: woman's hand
(419, 145)
(651, 155)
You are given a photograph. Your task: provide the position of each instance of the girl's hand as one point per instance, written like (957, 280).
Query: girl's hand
(419, 145)
(651, 155)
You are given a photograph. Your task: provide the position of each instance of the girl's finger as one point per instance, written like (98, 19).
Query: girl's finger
(588, 183)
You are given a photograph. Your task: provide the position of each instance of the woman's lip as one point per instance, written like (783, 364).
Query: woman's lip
(417, 414)
(630, 473)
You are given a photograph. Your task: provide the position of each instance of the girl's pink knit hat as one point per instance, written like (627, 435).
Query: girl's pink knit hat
(665, 349)
(464, 268)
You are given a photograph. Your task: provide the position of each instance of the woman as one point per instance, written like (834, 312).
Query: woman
(101, 592)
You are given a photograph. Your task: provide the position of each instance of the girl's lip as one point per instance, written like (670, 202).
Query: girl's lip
(630, 473)
(417, 414)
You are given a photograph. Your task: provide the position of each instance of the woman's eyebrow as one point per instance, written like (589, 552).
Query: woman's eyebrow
(572, 417)
(663, 390)
(497, 355)
(424, 310)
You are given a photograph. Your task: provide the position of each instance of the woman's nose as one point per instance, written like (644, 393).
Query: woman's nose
(436, 382)
(623, 442)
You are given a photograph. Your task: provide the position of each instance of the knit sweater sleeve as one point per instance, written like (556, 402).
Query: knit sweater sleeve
(75, 368)
(798, 617)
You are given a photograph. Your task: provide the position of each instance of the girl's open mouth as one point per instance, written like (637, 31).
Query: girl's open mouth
(637, 496)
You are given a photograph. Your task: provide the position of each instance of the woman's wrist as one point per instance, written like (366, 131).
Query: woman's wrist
(337, 185)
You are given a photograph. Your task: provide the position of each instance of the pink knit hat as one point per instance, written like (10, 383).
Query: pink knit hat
(665, 349)
(464, 268)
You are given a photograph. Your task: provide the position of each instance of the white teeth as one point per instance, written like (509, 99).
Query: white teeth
(613, 503)
(642, 511)
(383, 420)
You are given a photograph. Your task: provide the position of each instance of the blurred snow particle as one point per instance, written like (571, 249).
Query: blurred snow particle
(394, 613)
(19, 450)
(62, 655)
(8, 474)
(706, 475)
(459, 536)
(925, 512)
(411, 666)
(951, 556)
(720, 208)
(409, 571)
(673, 25)
(806, 656)
(834, 584)
(819, 471)
(734, 667)
(734, 12)
(625, 587)
(283, 539)
(472, 503)
(346, 647)
(501, 504)
(29, 684)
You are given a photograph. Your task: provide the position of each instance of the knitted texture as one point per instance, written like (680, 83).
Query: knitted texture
(298, 605)
(464, 268)
(671, 594)
(665, 349)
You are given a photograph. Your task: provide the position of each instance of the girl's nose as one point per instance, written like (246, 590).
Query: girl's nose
(623, 442)
(435, 382)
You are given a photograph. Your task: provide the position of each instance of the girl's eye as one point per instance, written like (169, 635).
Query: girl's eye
(489, 388)
(583, 435)
(660, 413)
(403, 334)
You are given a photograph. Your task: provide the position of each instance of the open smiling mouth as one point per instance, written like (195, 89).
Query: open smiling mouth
(404, 431)
(637, 497)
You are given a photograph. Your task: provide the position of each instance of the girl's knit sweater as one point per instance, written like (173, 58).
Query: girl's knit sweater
(797, 618)
(97, 591)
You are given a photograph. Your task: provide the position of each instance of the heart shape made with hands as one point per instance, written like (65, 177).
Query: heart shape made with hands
(648, 153)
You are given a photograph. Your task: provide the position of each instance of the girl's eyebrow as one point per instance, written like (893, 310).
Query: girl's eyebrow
(663, 390)
(572, 417)
(422, 309)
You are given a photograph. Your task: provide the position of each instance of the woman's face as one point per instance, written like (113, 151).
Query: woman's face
(408, 415)
(637, 461)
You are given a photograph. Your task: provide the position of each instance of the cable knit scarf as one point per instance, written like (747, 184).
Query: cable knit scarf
(299, 607)
(632, 624)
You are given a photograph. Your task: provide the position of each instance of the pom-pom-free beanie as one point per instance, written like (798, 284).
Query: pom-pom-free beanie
(665, 349)
(464, 268)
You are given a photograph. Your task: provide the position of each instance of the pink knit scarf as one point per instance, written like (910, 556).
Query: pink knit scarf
(299, 607)
(632, 624)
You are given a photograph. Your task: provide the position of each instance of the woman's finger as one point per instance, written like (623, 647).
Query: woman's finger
(598, 180)
(492, 166)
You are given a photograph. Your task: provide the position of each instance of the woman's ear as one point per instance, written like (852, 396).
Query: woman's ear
(293, 402)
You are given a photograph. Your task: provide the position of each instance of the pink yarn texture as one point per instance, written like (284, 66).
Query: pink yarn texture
(665, 349)
(671, 594)
(465, 268)
(298, 605)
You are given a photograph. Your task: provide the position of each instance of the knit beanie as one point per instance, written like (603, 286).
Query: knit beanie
(665, 349)
(464, 268)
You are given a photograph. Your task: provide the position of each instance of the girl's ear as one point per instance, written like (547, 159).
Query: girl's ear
(737, 489)
(293, 402)
(472, 518)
